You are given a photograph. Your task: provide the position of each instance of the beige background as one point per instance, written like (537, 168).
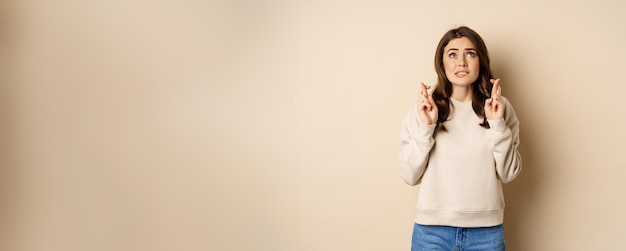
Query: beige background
(273, 125)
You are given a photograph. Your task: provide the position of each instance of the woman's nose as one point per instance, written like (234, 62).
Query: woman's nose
(462, 62)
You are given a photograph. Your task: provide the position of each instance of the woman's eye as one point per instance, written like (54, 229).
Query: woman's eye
(470, 54)
(452, 55)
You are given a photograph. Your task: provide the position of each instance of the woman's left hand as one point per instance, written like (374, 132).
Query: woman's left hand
(494, 106)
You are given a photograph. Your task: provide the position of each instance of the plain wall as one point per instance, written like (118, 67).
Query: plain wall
(274, 125)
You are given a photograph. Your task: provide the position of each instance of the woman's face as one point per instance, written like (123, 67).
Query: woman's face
(460, 62)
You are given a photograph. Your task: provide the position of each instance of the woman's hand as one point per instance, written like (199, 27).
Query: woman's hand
(426, 108)
(494, 106)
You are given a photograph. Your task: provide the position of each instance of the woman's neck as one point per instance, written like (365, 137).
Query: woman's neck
(462, 93)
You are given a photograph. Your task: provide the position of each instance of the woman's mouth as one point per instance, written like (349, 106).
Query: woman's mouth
(461, 74)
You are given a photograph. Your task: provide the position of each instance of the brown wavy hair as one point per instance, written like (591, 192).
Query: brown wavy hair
(482, 86)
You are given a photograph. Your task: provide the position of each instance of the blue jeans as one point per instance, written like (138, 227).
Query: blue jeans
(446, 238)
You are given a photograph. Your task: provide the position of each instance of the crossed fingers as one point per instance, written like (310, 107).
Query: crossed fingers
(424, 99)
(496, 91)
(424, 90)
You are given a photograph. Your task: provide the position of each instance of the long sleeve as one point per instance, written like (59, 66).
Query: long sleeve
(416, 142)
(504, 140)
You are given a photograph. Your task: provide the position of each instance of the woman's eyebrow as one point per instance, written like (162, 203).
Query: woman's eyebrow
(455, 49)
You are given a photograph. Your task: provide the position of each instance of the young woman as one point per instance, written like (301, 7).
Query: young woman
(460, 144)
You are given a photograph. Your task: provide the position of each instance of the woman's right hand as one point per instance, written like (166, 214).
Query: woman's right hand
(426, 108)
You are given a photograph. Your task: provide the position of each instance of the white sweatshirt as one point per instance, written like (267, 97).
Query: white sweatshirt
(460, 171)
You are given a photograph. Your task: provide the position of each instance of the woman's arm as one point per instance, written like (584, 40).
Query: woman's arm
(416, 141)
(504, 140)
